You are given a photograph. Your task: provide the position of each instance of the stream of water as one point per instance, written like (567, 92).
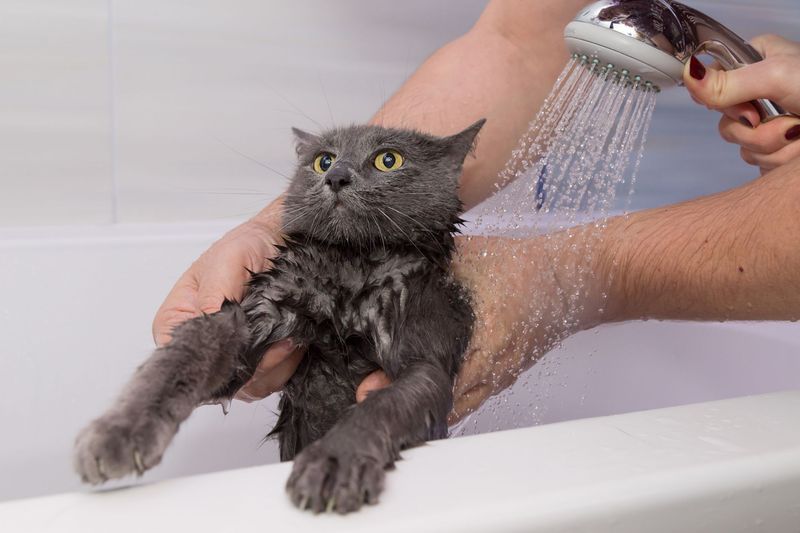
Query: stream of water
(578, 157)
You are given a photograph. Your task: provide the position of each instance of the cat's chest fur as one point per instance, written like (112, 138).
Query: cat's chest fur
(345, 293)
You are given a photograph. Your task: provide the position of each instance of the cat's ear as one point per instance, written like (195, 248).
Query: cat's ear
(303, 139)
(462, 143)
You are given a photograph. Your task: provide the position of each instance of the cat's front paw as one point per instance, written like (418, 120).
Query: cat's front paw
(117, 444)
(324, 479)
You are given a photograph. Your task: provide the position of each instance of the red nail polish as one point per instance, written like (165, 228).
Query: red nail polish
(696, 69)
(793, 133)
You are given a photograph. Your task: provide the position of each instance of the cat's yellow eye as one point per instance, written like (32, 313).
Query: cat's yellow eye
(323, 162)
(388, 161)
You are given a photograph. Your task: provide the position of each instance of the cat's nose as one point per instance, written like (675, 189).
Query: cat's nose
(338, 178)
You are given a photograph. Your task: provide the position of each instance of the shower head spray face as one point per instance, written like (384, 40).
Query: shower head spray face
(654, 39)
(643, 37)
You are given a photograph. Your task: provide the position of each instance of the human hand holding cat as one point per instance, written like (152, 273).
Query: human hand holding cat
(524, 312)
(489, 365)
(360, 297)
(221, 272)
(498, 47)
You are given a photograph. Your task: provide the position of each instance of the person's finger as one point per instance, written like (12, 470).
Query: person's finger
(767, 138)
(469, 401)
(774, 160)
(762, 43)
(218, 274)
(375, 381)
(719, 89)
(276, 367)
(744, 114)
(220, 281)
(223, 269)
(191, 296)
(179, 306)
(474, 369)
(770, 45)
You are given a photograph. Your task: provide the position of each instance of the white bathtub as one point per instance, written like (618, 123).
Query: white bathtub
(75, 317)
(729, 466)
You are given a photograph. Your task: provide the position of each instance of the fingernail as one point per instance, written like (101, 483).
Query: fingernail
(285, 344)
(745, 122)
(696, 69)
(243, 396)
(793, 133)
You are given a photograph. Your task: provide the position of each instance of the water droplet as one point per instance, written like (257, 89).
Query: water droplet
(579, 154)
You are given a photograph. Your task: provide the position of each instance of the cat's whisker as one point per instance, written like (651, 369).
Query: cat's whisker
(245, 189)
(327, 102)
(291, 210)
(364, 208)
(313, 225)
(250, 158)
(380, 232)
(222, 193)
(286, 225)
(300, 212)
(372, 218)
(422, 227)
(381, 211)
(297, 109)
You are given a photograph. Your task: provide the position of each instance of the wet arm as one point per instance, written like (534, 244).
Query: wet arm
(501, 69)
(730, 256)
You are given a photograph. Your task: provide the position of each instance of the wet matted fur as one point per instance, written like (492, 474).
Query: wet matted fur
(363, 283)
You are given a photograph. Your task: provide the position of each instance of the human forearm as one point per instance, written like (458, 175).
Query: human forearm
(528, 294)
(502, 70)
(730, 256)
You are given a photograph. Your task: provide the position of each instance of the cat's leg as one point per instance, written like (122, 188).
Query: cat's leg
(311, 403)
(206, 353)
(314, 399)
(345, 468)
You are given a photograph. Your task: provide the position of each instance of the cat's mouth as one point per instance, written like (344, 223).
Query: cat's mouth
(338, 203)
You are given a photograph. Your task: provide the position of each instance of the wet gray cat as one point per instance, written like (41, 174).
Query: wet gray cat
(362, 282)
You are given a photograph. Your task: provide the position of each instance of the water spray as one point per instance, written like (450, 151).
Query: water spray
(653, 40)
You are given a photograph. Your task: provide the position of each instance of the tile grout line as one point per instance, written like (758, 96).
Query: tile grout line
(112, 118)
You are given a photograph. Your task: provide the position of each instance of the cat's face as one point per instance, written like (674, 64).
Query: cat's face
(371, 186)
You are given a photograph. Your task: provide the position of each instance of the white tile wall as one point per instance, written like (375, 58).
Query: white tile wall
(167, 101)
(197, 82)
(54, 112)
(155, 98)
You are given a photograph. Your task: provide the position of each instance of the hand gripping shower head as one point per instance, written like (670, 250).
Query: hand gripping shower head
(653, 39)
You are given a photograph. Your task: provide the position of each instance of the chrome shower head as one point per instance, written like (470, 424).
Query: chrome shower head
(654, 39)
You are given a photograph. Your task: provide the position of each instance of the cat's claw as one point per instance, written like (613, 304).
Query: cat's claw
(138, 463)
(324, 480)
(100, 471)
(116, 445)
